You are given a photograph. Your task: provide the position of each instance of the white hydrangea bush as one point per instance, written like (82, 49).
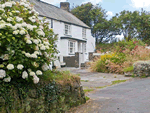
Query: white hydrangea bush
(27, 45)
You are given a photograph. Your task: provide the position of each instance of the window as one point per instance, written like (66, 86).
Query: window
(67, 29)
(51, 23)
(84, 47)
(71, 46)
(83, 33)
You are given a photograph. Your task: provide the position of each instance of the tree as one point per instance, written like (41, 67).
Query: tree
(83, 13)
(124, 23)
(95, 17)
(143, 26)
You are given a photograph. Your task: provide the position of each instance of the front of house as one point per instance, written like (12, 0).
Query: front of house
(74, 37)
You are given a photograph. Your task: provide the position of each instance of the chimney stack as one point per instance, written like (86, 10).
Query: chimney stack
(65, 6)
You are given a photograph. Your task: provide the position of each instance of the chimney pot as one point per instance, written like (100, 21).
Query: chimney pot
(65, 6)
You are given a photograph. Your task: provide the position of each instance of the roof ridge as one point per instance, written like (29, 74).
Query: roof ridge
(55, 12)
(48, 4)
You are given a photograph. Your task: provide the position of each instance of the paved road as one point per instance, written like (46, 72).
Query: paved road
(129, 97)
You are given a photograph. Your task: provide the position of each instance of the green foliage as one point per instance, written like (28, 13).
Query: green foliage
(47, 95)
(95, 17)
(87, 98)
(27, 45)
(83, 13)
(131, 25)
(122, 45)
(120, 56)
(128, 69)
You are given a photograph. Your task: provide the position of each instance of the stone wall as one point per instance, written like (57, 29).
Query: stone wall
(77, 59)
(69, 60)
(90, 56)
(142, 68)
(40, 98)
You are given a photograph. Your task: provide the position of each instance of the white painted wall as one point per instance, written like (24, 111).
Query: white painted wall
(90, 41)
(76, 32)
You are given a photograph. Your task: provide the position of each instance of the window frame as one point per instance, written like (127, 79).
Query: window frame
(84, 33)
(73, 47)
(67, 29)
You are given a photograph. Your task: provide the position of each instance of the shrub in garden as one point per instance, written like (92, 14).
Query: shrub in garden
(26, 43)
(126, 54)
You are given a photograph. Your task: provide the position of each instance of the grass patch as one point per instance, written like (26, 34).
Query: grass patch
(84, 80)
(88, 90)
(113, 83)
(128, 69)
(118, 81)
(101, 87)
(87, 98)
(59, 76)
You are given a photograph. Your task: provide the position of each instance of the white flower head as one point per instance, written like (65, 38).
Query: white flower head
(14, 27)
(10, 66)
(20, 66)
(16, 32)
(8, 79)
(32, 73)
(17, 11)
(42, 48)
(38, 72)
(18, 19)
(47, 47)
(23, 1)
(22, 32)
(27, 55)
(41, 33)
(35, 41)
(9, 19)
(8, 4)
(24, 75)
(2, 26)
(46, 43)
(2, 73)
(35, 79)
(34, 55)
(36, 52)
(29, 42)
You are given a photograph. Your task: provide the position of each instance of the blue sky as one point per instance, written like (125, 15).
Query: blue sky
(111, 6)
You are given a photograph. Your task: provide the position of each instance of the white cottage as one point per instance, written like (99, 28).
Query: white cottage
(74, 37)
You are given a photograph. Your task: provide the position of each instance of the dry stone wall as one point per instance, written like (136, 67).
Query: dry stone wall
(41, 98)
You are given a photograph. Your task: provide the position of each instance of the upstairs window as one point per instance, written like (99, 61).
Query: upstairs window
(83, 33)
(67, 29)
(71, 47)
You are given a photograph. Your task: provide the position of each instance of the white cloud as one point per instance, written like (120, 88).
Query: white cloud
(140, 3)
(54, 2)
(92, 1)
(109, 13)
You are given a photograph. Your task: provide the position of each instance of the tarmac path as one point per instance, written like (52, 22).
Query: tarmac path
(132, 96)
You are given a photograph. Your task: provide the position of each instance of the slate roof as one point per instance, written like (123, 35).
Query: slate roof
(53, 12)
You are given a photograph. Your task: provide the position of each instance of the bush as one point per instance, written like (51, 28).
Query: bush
(122, 58)
(26, 43)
